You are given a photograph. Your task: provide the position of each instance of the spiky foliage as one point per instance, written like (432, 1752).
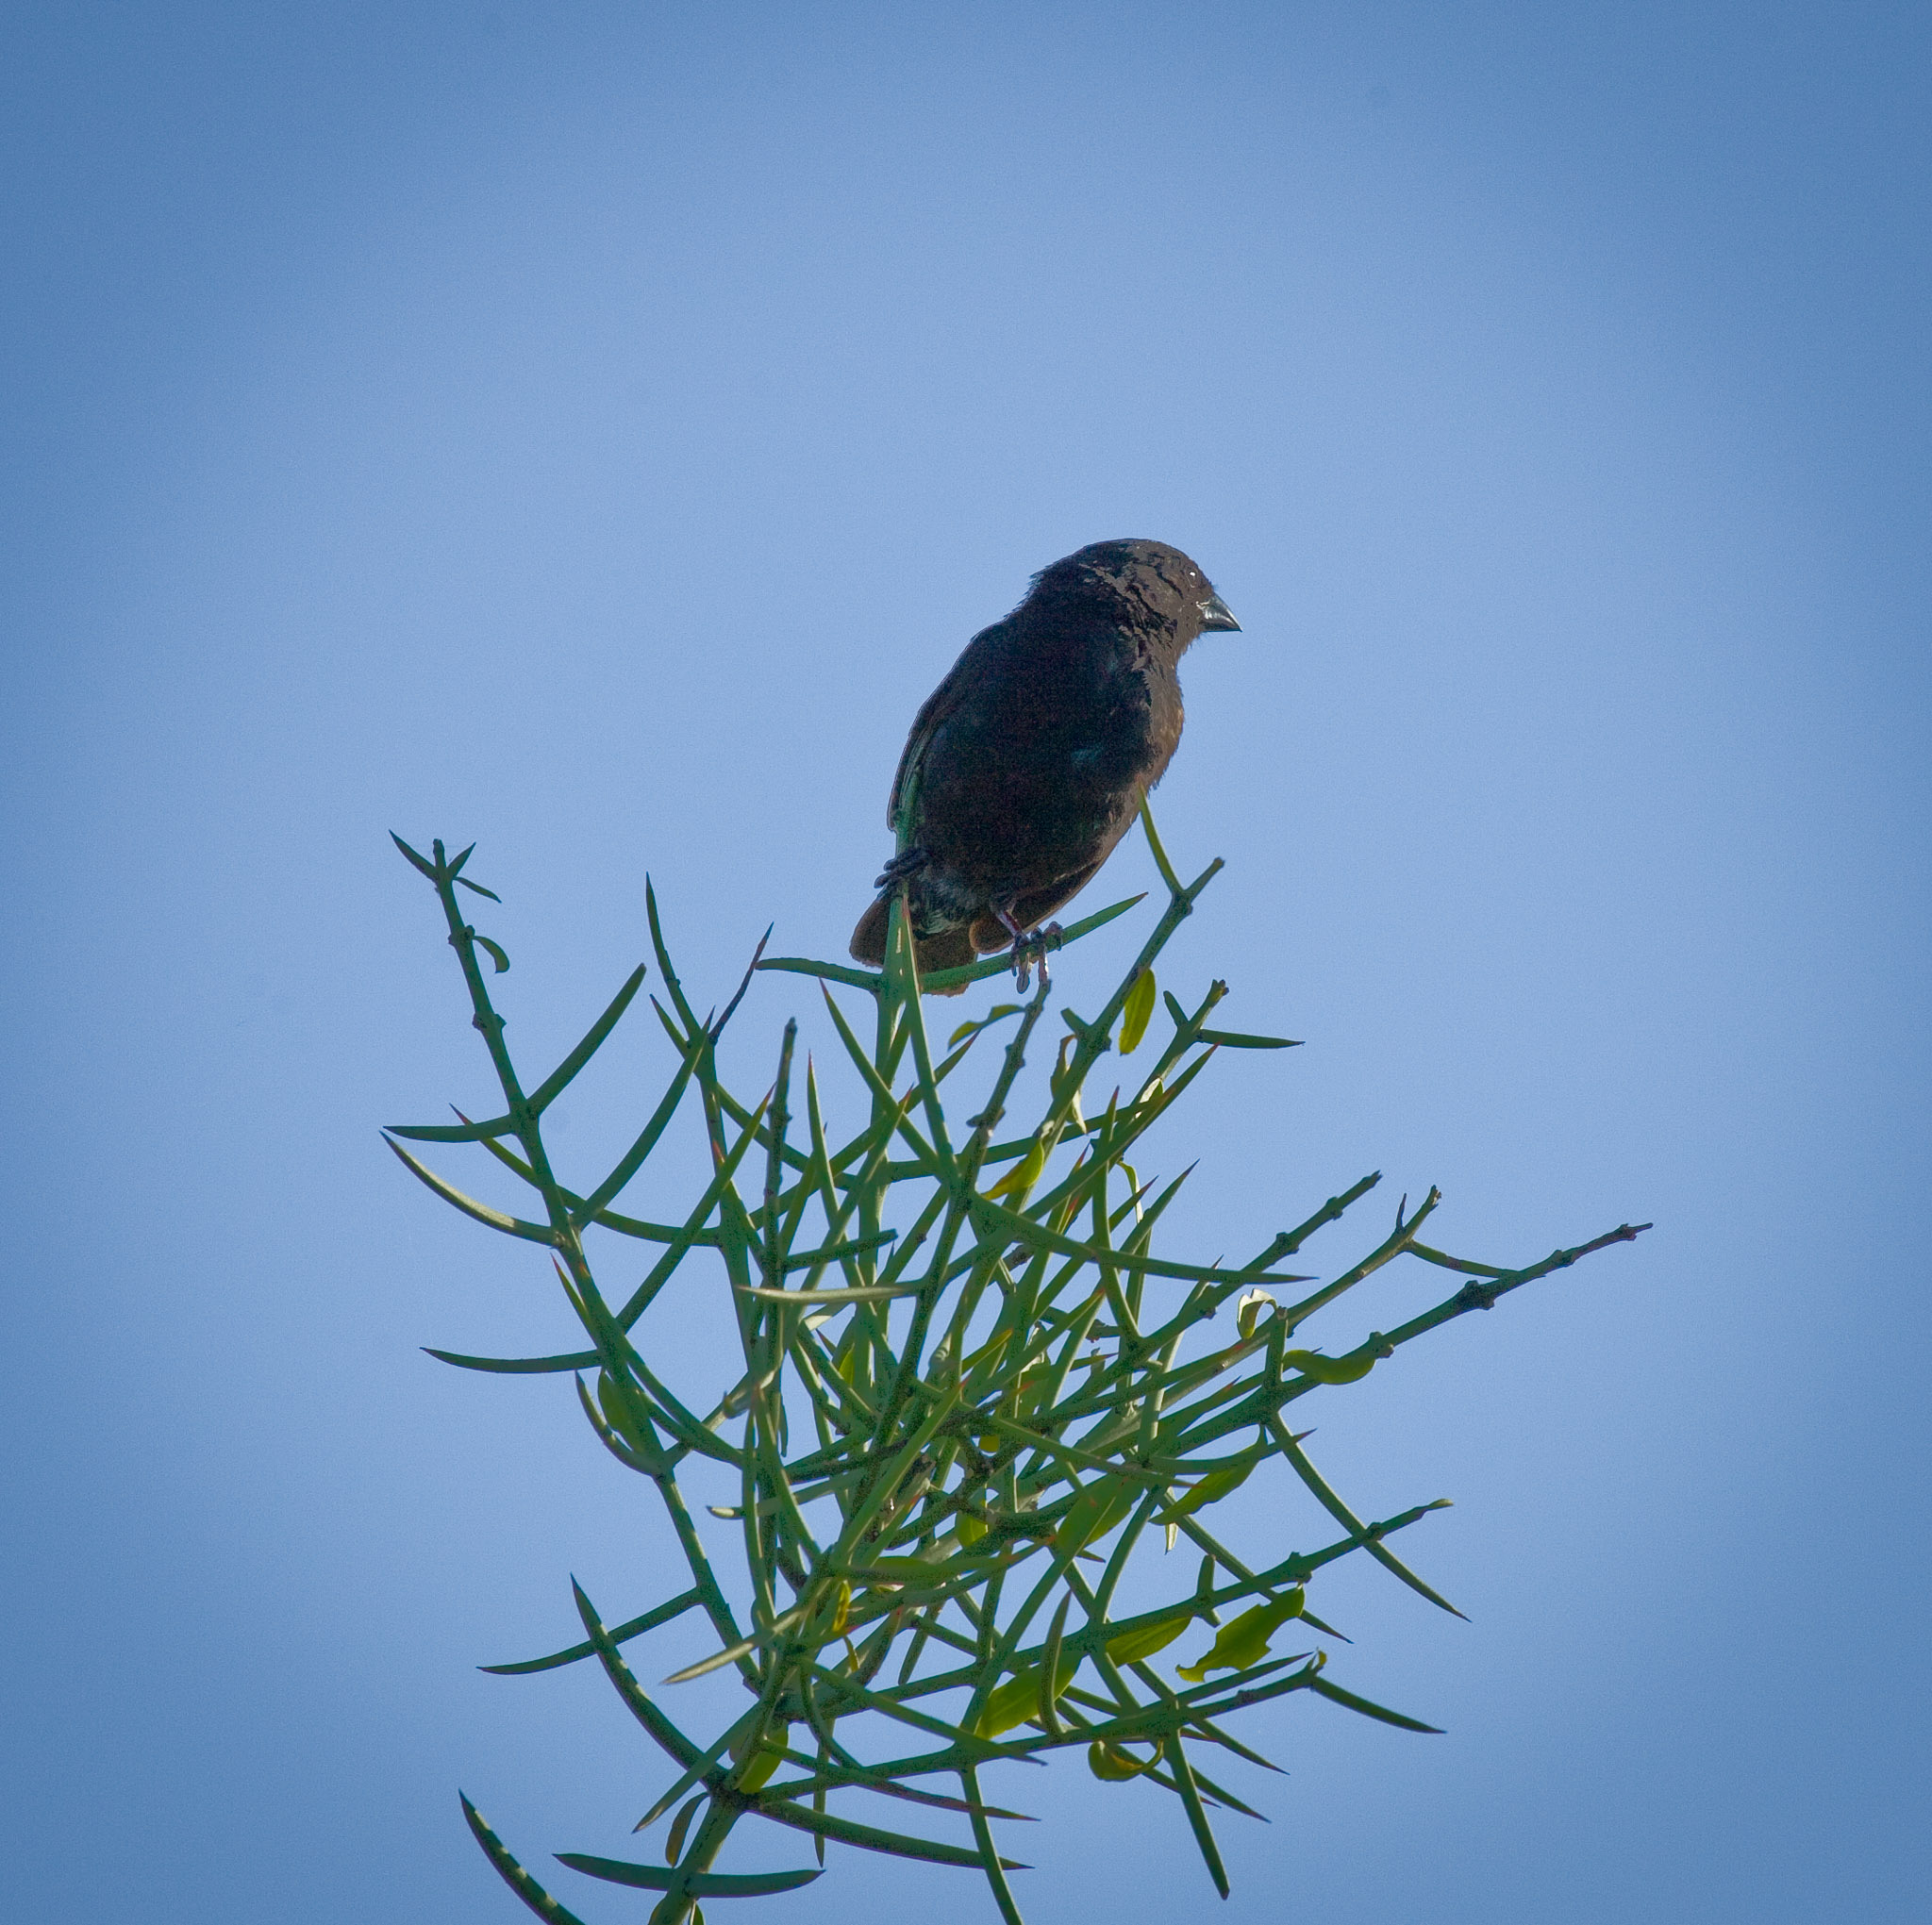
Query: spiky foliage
(1008, 1394)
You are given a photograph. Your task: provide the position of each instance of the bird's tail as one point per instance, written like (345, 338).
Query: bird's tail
(951, 949)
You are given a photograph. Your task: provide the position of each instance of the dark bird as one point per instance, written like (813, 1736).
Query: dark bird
(1028, 762)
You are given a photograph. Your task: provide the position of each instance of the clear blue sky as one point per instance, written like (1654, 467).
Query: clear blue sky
(591, 431)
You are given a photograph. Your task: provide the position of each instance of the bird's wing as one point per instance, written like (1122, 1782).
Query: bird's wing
(902, 809)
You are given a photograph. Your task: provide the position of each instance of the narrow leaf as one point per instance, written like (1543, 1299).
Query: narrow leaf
(514, 1874)
(728, 1655)
(855, 1293)
(453, 1133)
(871, 1838)
(511, 1226)
(674, 1839)
(553, 1085)
(1197, 1819)
(704, 1884)
(618, 1633)
(517, 1367)
(428, 869)
(1337, 1695)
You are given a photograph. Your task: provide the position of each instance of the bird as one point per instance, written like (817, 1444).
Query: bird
(1029, 761)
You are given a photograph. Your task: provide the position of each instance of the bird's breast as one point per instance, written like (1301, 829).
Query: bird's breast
(1039, 777)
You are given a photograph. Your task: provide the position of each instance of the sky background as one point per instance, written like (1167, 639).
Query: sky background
(590, 432)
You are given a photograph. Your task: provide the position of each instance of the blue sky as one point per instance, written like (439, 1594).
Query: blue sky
(590, 432)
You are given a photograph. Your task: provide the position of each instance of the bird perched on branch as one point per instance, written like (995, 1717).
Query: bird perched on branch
(1028, 762)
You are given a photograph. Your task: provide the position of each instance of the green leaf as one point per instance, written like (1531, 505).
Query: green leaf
(553, 1085)
(835, 1252)
(626, 1412)
(1337, 1695)
(1063, 1088)
(495, 949)
(1099, 1507)
(831, 973)
(897, 1571)
(730, 1655)
(635, 1699)
(518, 1367)
(674, 1839)
(1211, 1490)
(428, 869)
(1368, 1540)
(991, 1862)
(514, 1874)
(705, 1884)
(453, 1133)
(894, 1843)
(511, 1226)
(997, 1013)
(632, 1160)
(1197, 1819)
(618, 1633)
(855, 1293)
(1231, 1040)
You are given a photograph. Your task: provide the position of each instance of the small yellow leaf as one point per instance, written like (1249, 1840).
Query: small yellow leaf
(1136, 1012)
(1022, 1178)
(614, 1401)
(1130, 1647)
(1018, 1700)
(1113, 1765)
(1245, 1641)
(1348, 1368)
(1100, 1506)
(770, 1755)
(1212, 1489)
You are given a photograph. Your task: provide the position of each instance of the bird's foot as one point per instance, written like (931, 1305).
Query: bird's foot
(1029, 949)
(908, 862)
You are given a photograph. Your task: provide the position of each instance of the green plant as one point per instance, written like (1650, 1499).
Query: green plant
(1002, 1386)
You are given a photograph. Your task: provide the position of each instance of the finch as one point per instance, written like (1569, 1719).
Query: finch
(1029, 761)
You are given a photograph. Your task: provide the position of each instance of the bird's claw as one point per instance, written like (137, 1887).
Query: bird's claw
(904, 864)
(1028, 949)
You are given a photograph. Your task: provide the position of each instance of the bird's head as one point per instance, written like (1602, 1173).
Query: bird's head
(1144, 585)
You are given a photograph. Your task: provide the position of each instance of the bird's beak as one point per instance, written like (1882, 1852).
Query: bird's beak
(1215, 613)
